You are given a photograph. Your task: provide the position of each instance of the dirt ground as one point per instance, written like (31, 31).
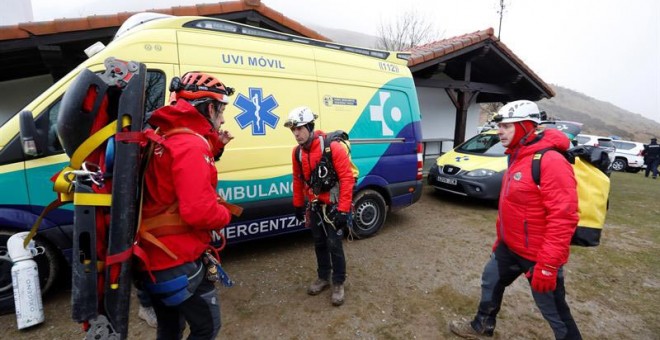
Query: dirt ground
(421, 271)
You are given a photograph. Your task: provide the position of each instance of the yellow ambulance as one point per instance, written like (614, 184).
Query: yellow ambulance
(368, 93)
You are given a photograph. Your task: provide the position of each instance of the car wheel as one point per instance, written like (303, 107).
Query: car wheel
(48, 264)
(619, 164)
(370, 213)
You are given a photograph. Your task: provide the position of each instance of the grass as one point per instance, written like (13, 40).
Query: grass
(627, 259)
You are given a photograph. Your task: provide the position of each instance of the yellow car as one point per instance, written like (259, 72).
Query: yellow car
(474, 168)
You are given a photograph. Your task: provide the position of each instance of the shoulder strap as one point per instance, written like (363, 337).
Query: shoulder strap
(325, 148)
(536, 164)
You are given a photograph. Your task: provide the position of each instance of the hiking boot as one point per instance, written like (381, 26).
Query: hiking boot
(148, 315)
(338, 294)
(317, 286)
(464, 330)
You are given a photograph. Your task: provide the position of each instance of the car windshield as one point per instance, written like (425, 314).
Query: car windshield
(484, 144)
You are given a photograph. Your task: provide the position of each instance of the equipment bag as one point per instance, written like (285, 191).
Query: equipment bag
(324, 176)
(593, 188)
(100, 126)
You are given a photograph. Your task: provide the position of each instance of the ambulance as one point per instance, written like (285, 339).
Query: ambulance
(368, 93)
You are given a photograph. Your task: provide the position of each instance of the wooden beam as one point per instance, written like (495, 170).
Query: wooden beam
(448, 56)
(522, 72)
(464, 85)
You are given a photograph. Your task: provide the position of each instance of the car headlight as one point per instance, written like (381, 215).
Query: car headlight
(480, 173)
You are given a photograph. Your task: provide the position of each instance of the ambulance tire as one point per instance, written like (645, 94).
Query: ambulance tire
(370, 211)
(49, 264)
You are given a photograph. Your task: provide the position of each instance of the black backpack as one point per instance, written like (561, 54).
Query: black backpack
(324, 176)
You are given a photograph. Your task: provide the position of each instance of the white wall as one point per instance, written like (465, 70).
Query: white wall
(15, 94)
(439, 118)
(16, 11)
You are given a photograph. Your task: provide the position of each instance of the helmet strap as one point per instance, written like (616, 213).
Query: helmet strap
(525, 126)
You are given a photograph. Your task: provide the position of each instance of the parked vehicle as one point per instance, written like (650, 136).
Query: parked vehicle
(368, 93)
(474, 168)
(628, 156)
(605, 143)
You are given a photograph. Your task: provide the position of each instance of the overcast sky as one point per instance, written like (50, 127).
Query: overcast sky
(606, 49)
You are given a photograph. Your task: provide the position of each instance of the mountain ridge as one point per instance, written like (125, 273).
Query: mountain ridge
(597, 116)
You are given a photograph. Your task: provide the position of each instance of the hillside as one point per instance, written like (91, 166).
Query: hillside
(599, 117)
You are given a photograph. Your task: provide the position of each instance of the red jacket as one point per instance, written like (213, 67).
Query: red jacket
(183, 172)
(537, 222)
(310, 158)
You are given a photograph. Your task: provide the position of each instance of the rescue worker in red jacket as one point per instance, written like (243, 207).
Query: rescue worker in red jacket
(181, 206)
(534, 225)
(328, 210)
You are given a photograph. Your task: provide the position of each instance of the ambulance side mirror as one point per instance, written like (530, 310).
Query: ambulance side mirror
(29, 134)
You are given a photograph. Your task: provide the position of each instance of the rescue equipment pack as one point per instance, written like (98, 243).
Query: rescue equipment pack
(101, 128)
(324, 176)
(593, 187)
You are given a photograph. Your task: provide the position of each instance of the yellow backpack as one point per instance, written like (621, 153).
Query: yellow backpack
(593, 189)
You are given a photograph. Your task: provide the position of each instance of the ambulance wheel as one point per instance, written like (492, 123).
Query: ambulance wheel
(49, 264)
(370, 213)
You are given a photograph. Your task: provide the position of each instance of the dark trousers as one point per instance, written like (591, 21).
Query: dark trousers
(330, 257)
(652, 165)
(201, 311)
(501, 270)
(144, 298)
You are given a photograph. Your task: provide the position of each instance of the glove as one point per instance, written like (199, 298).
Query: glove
(544, 278)
(300, 214)
(340, 220)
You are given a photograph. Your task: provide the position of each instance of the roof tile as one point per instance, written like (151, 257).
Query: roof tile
(115, 20)
(271, 13)
(185, 10)
(68, 25)
(443, 47)
(233, 6)
(38, 28)
(103, 21)
(206, 9)
(12, 32)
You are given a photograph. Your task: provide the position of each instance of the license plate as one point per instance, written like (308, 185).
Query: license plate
(451, 181)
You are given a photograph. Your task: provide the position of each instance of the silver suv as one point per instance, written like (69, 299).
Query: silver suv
(628, 156)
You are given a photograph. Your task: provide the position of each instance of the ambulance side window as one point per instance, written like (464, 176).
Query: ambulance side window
(155, 93)
(154, 98)
(53, 145)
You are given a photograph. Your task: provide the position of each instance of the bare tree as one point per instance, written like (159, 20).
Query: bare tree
(409, 30)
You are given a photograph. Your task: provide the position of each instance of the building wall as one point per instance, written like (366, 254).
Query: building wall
(15, 94)
(439, 119)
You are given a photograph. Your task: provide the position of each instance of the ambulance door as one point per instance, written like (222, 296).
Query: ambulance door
(270, 78)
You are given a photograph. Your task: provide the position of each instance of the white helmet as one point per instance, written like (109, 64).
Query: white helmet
(518, 111)
(300, 116)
